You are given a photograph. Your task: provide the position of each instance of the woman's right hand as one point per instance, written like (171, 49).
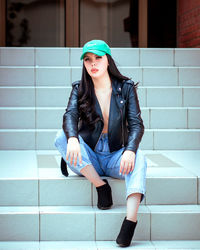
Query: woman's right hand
(73, 151)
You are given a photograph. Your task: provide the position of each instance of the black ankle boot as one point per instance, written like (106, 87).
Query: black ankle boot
(126, 233)
(104, 196)
(63, 166)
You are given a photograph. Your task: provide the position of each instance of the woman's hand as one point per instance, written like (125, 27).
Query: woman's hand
(73, 151)
(127, 162)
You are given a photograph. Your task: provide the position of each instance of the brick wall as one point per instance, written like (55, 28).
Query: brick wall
(188, 33)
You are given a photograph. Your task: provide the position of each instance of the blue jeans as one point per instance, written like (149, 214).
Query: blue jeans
(106, 163)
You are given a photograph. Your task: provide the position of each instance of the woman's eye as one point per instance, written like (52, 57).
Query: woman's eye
(97, 57)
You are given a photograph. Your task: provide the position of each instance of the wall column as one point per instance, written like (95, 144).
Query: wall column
(72, 23)
(142, 22)
(3, 23)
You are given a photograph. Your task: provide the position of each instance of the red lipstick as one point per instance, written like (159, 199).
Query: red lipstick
(94, 70)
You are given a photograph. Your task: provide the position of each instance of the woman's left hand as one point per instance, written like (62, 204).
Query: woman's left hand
(127, 162)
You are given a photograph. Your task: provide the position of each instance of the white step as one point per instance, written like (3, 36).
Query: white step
(151, 57)
(48, 96)
(53, 188)
(87, 223)
(65, 75)
(98, 245)
(19, 223)
(51, 117)
(35, 178)
(123, 56)
(155, 139)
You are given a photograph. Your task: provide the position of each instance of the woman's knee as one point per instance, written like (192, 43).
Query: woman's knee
(60, 138)
(140, 156)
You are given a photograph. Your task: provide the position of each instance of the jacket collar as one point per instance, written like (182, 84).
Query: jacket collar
(116, 86)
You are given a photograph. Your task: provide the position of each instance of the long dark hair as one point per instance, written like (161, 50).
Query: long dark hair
(86, 93)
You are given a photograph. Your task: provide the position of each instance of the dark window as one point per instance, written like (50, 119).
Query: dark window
(114, 21)
(35, 23)
(162, 24)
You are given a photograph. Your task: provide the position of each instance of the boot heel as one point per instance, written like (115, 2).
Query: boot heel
(126, 233)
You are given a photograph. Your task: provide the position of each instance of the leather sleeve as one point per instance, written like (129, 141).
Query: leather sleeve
(71, 116)
(135, 122)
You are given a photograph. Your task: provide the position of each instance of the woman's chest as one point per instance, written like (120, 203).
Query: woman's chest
(104, 102)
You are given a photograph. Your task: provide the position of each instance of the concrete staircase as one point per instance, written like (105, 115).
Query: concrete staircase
(42, 209)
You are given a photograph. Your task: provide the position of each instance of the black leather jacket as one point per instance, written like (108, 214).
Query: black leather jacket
(125, 126)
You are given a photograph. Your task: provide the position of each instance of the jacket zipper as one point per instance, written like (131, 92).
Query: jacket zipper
(122, 127)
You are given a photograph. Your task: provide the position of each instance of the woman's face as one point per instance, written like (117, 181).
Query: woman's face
(96, 66)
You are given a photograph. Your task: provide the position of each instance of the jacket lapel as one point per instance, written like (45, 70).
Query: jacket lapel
(116, 106)
(116, 102)
(98, 108)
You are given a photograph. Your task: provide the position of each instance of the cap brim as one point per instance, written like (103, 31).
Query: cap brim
(96, 52)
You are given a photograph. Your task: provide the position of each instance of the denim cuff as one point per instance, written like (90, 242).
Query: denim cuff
(78, 165)
(135, 190)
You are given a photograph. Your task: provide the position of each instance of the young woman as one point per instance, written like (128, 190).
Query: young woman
(102, 129)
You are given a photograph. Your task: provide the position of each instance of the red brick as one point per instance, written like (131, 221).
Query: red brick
(188, 23)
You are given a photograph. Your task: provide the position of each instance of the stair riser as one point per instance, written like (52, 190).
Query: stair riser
(80, 192)
(64, 76)
(154, 118)
(175, 226)
(123, 56)
(98, 225)
(18, 192)
(152, 139)
(19, 227)
(48, 97)
(77, 226)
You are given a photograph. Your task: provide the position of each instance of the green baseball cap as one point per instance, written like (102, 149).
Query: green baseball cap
(98, 47)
